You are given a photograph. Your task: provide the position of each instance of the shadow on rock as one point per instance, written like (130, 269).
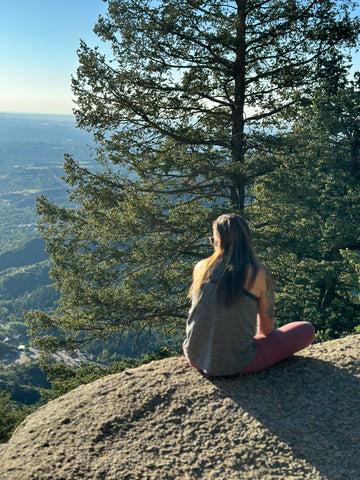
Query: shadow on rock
(309, 404)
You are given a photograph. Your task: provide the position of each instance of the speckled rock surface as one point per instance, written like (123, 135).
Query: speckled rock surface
(298, 420)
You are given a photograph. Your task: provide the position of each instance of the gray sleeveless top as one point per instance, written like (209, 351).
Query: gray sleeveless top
(219, 339)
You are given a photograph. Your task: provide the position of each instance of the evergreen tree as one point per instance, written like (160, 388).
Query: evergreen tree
(178, 109)
(308, 212)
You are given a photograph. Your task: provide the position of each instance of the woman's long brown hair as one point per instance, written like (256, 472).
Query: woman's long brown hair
(235, 253)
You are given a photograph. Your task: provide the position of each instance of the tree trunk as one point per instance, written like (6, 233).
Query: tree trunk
(238, 138)
(327, 293)
(355, 158)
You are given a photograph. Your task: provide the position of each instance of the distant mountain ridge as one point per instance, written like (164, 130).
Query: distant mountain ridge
(40, 140)
(23, 128)
(32, 252)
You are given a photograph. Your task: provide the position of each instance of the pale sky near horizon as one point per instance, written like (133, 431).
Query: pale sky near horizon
(38, 44)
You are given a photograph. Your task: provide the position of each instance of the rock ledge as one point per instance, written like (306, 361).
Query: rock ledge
(298, 420)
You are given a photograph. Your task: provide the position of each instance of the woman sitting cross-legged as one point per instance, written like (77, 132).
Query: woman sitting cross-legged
(233, 297)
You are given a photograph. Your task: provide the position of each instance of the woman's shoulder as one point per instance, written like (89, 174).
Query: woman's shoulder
(198, 265)
(259, 283)
(209, 269)
(263, 270)
(205, 262)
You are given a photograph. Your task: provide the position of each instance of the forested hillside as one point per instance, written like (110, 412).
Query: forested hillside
(32, 149)
(32, 152)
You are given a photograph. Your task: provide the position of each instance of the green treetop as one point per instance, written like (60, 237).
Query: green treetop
(307, 211)
(180, 108)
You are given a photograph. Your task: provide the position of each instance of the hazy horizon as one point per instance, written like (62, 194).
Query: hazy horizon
(40, 40)
(37, 114)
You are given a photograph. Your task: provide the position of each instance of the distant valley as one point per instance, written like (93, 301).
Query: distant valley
(32, 149)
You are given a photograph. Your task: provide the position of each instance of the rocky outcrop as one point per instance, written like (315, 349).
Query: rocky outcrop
(298, 420)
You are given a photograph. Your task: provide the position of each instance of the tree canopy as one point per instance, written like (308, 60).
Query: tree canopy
(308, 213)
(190, 109)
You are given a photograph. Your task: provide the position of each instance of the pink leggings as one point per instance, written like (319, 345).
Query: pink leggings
(280, 344)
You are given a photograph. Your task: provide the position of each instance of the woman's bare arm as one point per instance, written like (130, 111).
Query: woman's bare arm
(266, 303)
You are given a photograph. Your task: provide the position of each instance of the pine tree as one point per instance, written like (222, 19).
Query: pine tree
(178, 107)
(308, 212)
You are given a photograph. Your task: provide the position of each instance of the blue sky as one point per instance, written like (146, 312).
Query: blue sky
(38, 43)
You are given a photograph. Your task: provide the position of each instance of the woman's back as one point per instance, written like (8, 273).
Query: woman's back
(231, 294)
(219, 338)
